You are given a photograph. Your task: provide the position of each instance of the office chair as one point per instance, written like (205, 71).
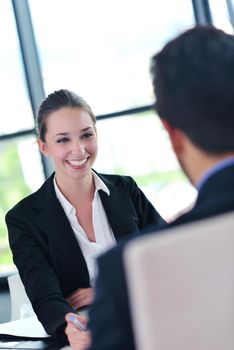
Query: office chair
(181, 286)
(20, 304)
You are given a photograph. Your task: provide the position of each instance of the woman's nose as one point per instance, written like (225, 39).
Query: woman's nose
(78, 147)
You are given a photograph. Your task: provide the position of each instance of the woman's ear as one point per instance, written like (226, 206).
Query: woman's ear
(43, 147)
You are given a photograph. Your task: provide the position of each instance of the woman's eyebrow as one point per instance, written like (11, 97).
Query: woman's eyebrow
(68, 133)
(61, 134)
(85, 129)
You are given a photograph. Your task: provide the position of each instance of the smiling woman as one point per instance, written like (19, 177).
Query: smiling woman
(56, 233)
(103, 60)
(71, 141)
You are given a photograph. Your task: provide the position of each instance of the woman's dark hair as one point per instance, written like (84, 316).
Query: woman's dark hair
(55, 101)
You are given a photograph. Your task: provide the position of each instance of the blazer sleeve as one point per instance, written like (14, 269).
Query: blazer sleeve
(36, 272)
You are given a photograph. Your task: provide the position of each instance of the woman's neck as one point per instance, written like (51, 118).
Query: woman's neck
(77, 190)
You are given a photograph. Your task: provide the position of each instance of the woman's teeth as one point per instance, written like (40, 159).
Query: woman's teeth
(77, 162)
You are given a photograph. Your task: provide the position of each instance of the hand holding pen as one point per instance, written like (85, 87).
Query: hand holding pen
(79, 324)
(78, 336)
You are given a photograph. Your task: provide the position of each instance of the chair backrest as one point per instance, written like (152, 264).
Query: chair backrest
(181, 286)
(20, 304)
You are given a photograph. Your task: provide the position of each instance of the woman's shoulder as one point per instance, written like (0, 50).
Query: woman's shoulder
(116, 179)
(32, 199)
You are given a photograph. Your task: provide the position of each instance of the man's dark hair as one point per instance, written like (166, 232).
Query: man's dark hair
(193, 79)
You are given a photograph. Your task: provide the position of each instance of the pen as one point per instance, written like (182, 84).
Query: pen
(77, 323)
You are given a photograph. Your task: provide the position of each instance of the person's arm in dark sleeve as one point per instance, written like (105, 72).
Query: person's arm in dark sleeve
(109, 316)
(40, 281)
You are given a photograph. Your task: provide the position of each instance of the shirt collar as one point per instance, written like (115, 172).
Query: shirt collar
(67, 206)
(214, 169)
(99, 184)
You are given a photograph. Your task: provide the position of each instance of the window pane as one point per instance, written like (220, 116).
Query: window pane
(138, 146)
(220, 15)
(20, 174)
(16, 111)
(101, 49)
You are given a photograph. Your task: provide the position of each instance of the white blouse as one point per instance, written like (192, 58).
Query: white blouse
(104, 235)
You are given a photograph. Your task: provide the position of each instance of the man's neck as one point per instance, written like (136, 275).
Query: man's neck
(196, 163)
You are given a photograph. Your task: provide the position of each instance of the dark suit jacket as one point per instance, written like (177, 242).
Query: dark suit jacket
(45, 249)
(111, 326)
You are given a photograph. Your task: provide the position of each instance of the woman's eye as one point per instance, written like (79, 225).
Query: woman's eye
(63, 140)
(87, 135)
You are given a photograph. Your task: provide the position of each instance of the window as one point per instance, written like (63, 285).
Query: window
(20, 174)
(15, 105)
(16, 154)
(101, 50)
(221, 12)
(138, 145)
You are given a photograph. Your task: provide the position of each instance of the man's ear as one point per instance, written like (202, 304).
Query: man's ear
(43, 147)
(176, 136)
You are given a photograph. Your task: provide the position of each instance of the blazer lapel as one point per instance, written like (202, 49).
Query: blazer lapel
(54, 223)
(119, 211)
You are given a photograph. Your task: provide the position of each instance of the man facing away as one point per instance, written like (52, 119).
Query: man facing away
(194, 86)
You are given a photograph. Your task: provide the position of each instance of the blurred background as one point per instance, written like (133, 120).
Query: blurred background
(101, 50)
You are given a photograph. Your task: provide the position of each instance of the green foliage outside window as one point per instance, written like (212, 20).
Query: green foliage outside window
(12, 189)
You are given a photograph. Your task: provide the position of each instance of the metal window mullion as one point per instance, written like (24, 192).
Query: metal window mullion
(202, 12)
(230, 11)
(30, 63)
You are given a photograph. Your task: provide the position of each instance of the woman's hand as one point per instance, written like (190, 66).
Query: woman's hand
(81, 297)
(78, 340)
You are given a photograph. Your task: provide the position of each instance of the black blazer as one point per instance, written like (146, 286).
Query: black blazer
(111, 326)
(45, 249)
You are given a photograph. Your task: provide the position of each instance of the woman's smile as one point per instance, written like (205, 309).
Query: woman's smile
(77, 163)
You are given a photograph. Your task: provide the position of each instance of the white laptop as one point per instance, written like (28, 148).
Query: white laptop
(181, 285)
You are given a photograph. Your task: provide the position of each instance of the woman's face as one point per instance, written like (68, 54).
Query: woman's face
(71, 141)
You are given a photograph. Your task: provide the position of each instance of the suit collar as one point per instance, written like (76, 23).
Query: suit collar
(223, 164)
(218, 183)
(215, 197)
